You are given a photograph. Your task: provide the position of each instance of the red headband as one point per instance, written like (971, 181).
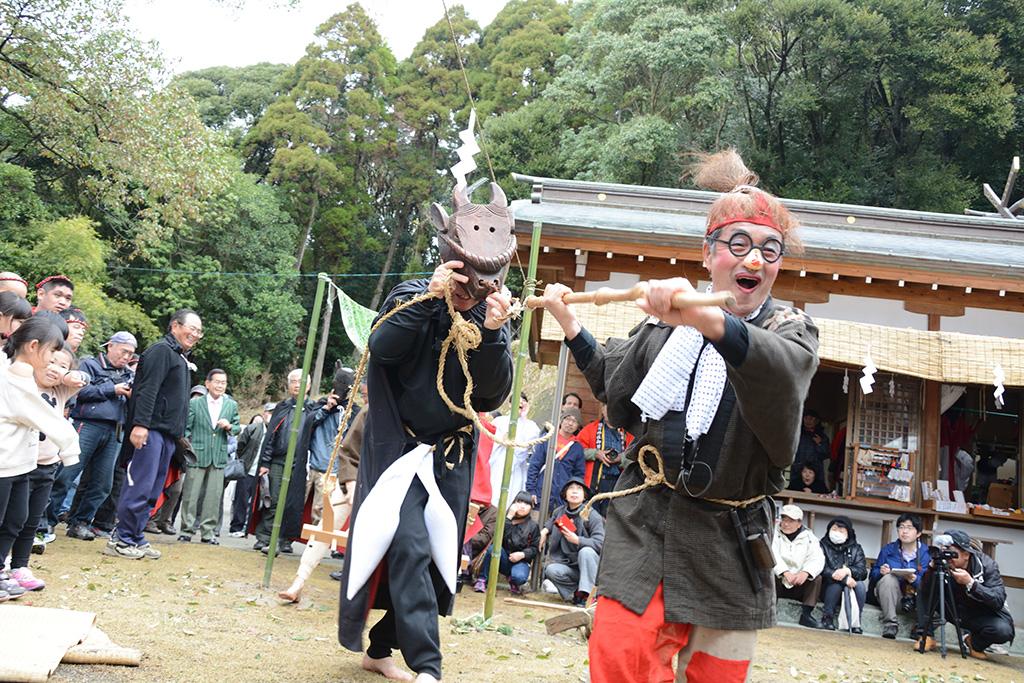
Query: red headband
(54, 277)
(759, 219)
(14, 279)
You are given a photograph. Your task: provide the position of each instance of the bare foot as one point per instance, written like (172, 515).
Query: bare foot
(293, 592)
(386, 667)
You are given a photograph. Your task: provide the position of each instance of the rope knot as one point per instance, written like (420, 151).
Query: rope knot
(465, 334)
(653, 476)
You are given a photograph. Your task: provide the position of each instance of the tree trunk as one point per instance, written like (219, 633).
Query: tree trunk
(378, 293)
(309, 231)
(321, 352)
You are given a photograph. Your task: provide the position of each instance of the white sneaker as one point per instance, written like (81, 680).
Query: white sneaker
(237, 534)
(117, 548)
(149, 552)
(548, 587)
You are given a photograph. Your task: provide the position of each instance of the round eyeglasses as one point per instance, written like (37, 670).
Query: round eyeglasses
(740, 244)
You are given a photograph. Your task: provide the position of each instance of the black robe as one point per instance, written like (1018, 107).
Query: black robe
(401, 382)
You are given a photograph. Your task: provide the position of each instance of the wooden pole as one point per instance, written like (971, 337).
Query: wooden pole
(293, 437)
(517, 383)
(607, 295)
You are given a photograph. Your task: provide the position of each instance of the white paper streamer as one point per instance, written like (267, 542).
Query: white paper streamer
(466, 151)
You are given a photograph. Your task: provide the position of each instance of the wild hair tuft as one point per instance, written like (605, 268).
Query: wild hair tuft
(721, 172)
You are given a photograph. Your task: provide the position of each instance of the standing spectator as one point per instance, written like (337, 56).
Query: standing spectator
(14, 310)
(211, 419)
(77, 325)
(897, 590)
(166, 508)
(14, 283)
(54, 293)
(845, 568)
(567, 462)
(798, 563)
(518, 547)
(575, 546)
(249, 443)
(57, 383)
(602, 448)
(272, 457)
(812, 449)
(99, 415)
(157, 412)
(572, 400)
(526, 430)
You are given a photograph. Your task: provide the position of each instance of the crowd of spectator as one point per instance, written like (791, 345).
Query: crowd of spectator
(120, 445)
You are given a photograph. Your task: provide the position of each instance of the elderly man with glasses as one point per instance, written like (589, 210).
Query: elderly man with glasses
(157, 413)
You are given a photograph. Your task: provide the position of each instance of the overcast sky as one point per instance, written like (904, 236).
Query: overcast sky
(194, 34)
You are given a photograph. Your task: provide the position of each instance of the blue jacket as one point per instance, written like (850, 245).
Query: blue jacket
(893, 556)
(571, 465)
(97, 400)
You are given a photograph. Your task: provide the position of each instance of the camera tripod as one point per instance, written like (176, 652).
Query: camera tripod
(941, 595)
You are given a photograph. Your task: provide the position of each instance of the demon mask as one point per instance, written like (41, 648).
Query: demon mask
(481, 236)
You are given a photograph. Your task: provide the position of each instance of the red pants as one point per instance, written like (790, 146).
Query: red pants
(631, 648)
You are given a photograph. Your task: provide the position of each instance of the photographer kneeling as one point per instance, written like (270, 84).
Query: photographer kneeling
(978, 594)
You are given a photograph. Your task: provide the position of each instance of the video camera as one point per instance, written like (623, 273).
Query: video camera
(942, 550)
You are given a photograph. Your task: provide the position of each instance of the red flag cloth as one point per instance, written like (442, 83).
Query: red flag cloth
(481, 491)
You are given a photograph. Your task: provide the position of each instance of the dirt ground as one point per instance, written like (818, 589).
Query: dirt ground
(199, 614)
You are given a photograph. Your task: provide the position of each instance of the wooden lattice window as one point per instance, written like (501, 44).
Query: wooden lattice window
(886, 432)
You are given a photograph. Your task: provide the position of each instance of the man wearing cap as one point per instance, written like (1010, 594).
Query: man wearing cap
(12, 282)
(798, 563)
(77, 325)
(250, 441)
(567, 461)
(98, 414)
(575, 544)
(978, 592)
(54, 293)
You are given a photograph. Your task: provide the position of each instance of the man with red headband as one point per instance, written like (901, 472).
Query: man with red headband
(12, 282)
(54, 293)
(715, 398)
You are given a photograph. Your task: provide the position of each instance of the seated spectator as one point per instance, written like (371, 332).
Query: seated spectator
(845, 568)
(568, 460)
(809, 482)
(518, 547)
(978, 592)
(798, 563)
(575, 546)
(897, 590)
(488, 516)
(14, 283)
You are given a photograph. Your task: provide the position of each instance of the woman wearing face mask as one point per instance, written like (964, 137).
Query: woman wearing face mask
(686, 566)
(845, 567)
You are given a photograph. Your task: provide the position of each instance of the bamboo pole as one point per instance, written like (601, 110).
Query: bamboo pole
(517, 382)
(293, 437)
(321, 353)
(607, 295)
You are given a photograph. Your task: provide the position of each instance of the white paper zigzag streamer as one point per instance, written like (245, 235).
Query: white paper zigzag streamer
(466, 152)
(868, 379)
(998, 377)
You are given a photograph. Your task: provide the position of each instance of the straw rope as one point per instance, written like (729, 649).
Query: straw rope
(465, 336)
(655, 476)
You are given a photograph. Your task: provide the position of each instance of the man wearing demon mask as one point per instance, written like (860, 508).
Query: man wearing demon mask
(416, 468)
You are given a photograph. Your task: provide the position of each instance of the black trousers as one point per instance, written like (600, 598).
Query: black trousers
(410, 618)
(266, 525)
(40, 482)
(14, 494)
(106, 516)
(242, 503)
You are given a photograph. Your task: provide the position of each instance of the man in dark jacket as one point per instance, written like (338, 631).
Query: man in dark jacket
(98, 414)
(272, 457)
(575, 544)
(250, 441)
(157, 412)
(845, 568)
(519, 546)
(978, 592)
(407, 416)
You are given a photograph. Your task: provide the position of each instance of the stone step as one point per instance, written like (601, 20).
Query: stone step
(788, 612)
